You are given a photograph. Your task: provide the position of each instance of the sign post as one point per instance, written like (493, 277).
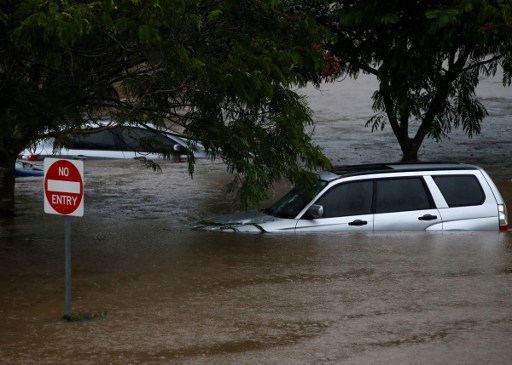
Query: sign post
(63, 195)
(67, 263)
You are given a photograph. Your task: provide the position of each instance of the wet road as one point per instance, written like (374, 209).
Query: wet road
(182, 297)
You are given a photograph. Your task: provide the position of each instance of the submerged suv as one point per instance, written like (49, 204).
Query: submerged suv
(382, 197)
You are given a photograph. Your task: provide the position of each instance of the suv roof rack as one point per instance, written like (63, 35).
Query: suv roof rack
(399, 166)
(354, 169)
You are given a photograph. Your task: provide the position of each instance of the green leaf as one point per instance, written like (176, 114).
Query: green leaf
(148, 34)
(389, 19)
(214, 14)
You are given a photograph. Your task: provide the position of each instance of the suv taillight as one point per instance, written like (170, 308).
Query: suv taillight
(503, 216)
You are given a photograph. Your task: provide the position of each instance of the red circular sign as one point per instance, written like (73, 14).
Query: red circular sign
(63, 187)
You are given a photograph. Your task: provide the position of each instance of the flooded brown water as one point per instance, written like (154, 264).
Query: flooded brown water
(176, 296)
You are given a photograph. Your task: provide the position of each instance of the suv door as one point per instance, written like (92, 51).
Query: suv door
(346, 207)
(404, 204)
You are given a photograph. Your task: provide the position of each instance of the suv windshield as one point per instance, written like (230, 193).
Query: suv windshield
(290, 205)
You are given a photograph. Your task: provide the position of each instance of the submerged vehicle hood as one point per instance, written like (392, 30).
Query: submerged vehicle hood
(252, 221)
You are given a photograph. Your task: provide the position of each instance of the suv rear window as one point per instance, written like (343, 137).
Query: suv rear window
(460, 190)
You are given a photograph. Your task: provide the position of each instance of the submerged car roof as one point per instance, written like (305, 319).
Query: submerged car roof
(351, 170)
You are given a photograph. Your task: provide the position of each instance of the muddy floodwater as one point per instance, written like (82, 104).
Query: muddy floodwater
(176, 296)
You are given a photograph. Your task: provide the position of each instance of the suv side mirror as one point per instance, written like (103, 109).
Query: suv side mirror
(316, 211)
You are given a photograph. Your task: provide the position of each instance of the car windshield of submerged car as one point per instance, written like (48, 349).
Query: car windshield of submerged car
(293, 202)
(140, 140)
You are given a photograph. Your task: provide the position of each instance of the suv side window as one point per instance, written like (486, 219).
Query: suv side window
(103, 140)
(402, 194)
(352, 198)
(460, 190)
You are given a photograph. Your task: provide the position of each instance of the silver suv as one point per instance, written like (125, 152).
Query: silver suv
(382, 197)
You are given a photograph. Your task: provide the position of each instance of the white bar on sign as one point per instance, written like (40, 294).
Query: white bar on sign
(61, 186)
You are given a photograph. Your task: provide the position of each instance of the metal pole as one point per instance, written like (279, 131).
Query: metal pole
(67, 242)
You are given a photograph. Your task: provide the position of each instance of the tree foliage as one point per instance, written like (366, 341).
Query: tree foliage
(427, 56)
(220, 70)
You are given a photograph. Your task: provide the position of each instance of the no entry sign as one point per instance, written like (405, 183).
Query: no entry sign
(63, 187)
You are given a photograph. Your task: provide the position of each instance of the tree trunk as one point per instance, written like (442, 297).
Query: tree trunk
(7, 183)
(411, 155)
(409, 148)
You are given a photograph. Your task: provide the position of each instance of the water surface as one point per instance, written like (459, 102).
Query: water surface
(178, 296)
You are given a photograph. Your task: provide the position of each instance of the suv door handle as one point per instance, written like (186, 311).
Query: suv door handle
(358, 222)
(427, 217)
